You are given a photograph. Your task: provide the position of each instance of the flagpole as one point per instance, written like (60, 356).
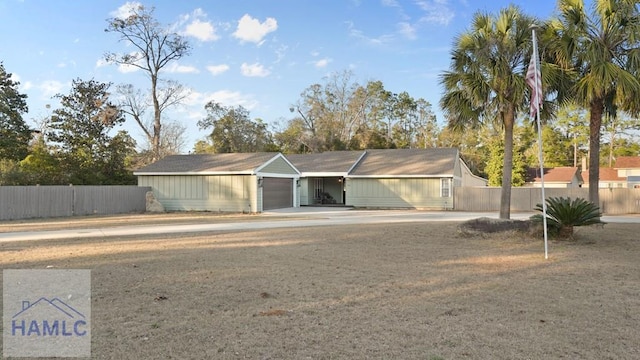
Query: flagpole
(540, 155)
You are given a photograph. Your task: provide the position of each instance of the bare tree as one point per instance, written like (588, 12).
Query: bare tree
(331, 112)
(156, 46)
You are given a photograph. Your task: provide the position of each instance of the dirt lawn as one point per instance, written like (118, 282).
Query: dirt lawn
(387, 291)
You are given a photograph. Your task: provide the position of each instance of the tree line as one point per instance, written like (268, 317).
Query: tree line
(588, 57)
(338, 114)
(589, 61)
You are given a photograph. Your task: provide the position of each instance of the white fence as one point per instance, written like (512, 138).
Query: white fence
(24, 202)
(613, 201)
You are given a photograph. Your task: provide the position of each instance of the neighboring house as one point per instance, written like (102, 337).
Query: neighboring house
(608, 178)
(389, 178)
(629, 168)
(241, 182)
(558, 177)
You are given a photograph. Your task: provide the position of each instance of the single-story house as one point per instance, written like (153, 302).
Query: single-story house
(629, 168)
(558, 177)
(240, 182)
(389, 178)
(608, 178)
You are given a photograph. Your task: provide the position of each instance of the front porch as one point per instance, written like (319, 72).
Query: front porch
(322, 191)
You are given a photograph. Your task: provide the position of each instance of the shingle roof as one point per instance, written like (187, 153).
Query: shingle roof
(233, 162)
(382, 162)
(606, 174)
(329, 162)
(628, 162)
(557, 174)
(407, 162)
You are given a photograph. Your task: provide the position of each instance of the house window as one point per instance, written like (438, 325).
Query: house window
(445, 187)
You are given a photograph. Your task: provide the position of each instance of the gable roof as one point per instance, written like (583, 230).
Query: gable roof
(330, 162)
(628, 162)
(433, 162)
(246, 163)
(407, 162)
(606, 174)
(564, 174)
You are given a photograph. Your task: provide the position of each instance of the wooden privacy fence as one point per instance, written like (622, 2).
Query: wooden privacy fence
(614, 201)
(24, 202)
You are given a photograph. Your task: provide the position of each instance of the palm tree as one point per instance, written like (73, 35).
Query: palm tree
(603, 51)
(486, 83)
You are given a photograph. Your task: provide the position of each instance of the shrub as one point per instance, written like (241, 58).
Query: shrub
(563, 214)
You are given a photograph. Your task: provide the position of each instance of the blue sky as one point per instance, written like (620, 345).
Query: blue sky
(258, 54)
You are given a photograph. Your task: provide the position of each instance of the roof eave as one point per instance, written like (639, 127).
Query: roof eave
(166, 173)
(323, 174)
(402, 176)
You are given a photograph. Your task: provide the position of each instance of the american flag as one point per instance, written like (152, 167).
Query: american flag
(535, 83)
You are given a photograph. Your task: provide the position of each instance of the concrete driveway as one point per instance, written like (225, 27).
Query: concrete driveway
(286, 218)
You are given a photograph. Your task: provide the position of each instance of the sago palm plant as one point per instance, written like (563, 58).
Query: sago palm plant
(563, 214)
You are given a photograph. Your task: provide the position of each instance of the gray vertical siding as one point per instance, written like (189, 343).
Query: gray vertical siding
(25, 202)
(279, 166)
(415, 193)
(231, 193)
(305, 190)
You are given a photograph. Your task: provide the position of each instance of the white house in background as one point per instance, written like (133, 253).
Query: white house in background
(608, 179)
(558, 177)
(629, 168)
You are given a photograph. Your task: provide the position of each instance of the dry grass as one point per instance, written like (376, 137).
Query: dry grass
(400, 291)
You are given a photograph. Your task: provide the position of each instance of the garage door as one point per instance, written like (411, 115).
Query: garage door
(277, 193)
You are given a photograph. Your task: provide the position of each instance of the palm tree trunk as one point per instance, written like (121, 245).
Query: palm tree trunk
(595, 122)
(507, 167)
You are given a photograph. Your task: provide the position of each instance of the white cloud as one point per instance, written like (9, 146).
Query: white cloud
(201, 30)
(224, 97)
(101, 62)
(322, 62)
(217, 69)
(126, 10)
(407, 30)
(126, 68)
(181, 69)
(254, 70)
(358, 34)
(436, 11)
(252, 30)
(197, 26)
(24, 86)
(281, 52)
(50, 88)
